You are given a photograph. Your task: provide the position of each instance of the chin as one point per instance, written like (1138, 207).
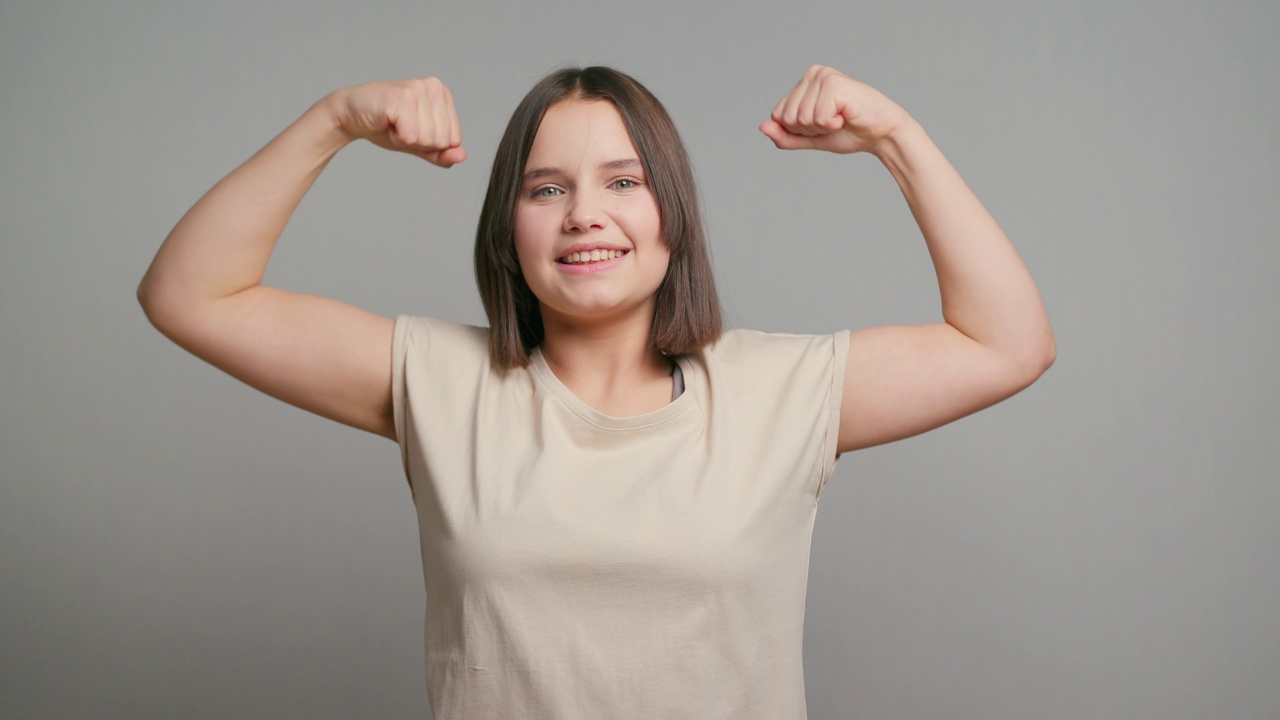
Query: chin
(595, 310)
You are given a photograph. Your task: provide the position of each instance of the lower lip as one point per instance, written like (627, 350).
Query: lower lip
(592, 267)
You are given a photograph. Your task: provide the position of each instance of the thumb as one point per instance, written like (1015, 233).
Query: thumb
(783, 139)
(445, 158)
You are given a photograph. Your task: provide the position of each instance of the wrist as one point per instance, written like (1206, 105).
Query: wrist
(324, 119)
(896, 149)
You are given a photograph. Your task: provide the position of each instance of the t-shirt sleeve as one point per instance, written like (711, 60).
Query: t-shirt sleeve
(432, 364)
(784, 394)
(399, 354)
(839, 368)
(822, 361)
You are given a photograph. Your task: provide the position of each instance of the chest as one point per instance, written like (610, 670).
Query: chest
(552, 498)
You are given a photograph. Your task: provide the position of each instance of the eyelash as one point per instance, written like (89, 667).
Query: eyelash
(549, 191)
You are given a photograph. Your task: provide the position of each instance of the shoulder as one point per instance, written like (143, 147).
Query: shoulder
(783, 391)
(425, 347)
(752, 348)
(437, 368)
(425, 329)
(777, 369)
(418, 335)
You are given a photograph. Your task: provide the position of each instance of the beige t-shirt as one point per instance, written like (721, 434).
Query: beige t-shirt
(579, 565)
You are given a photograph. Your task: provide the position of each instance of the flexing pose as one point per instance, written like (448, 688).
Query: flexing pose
(615, 495)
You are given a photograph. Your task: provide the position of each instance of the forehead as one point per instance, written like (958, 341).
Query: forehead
(572, 131)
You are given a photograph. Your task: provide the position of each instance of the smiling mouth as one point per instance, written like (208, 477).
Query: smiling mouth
(590, 256)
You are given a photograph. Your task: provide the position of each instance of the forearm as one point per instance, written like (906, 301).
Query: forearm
(222, 245)
(987, 292)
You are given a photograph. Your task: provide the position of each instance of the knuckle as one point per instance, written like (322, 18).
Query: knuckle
(432, 87)
(405, 95)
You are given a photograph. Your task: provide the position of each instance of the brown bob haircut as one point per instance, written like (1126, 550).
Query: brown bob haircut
(687, 314)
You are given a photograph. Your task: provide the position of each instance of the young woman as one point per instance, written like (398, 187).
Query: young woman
(615, 497)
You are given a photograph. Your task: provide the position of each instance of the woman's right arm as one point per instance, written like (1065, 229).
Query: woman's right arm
(204, 291)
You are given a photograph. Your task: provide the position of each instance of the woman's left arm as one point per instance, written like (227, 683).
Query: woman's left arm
(995, 339)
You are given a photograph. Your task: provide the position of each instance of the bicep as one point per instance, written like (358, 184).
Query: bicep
(902, 380)
(318, 354)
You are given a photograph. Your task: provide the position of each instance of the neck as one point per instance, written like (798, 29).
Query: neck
(613, 367)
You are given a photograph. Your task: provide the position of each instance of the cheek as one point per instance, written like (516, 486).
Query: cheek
(528, 268)
(665, 265)
(520, 228)
(652, 220)
(525, 237)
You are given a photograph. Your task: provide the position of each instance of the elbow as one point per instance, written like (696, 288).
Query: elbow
(143, 294)
(1050, 354)
(1038, 356)
(162, 309)
(147, 299)
(1047, 348)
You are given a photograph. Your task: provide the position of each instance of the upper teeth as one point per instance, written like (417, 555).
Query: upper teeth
(592, 255)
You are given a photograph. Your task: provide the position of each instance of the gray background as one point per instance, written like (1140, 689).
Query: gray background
(1105, 545)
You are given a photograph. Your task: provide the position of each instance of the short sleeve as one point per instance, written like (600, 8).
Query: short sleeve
(399, 354)
(835, 402)
(779, 397)
(435, 368)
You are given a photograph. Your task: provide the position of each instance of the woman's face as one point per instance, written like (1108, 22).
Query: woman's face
(587, 230)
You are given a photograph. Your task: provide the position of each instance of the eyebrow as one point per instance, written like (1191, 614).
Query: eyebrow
(612, 165)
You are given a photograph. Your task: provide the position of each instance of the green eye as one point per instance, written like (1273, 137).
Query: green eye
(624, 184)
(546, 192)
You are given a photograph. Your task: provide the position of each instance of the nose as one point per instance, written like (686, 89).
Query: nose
(584, 213)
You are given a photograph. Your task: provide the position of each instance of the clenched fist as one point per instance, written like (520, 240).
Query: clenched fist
(828, 110)
(410, 116)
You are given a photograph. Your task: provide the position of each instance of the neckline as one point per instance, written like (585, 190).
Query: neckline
(613, 422)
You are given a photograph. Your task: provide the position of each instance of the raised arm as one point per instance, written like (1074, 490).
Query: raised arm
(204, 291)
(995, 338)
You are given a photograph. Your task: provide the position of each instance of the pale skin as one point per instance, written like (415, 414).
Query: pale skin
(204, 289)
(585, 187)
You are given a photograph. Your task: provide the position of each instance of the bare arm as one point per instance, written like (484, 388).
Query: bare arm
(995, 337)
(204, 291)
